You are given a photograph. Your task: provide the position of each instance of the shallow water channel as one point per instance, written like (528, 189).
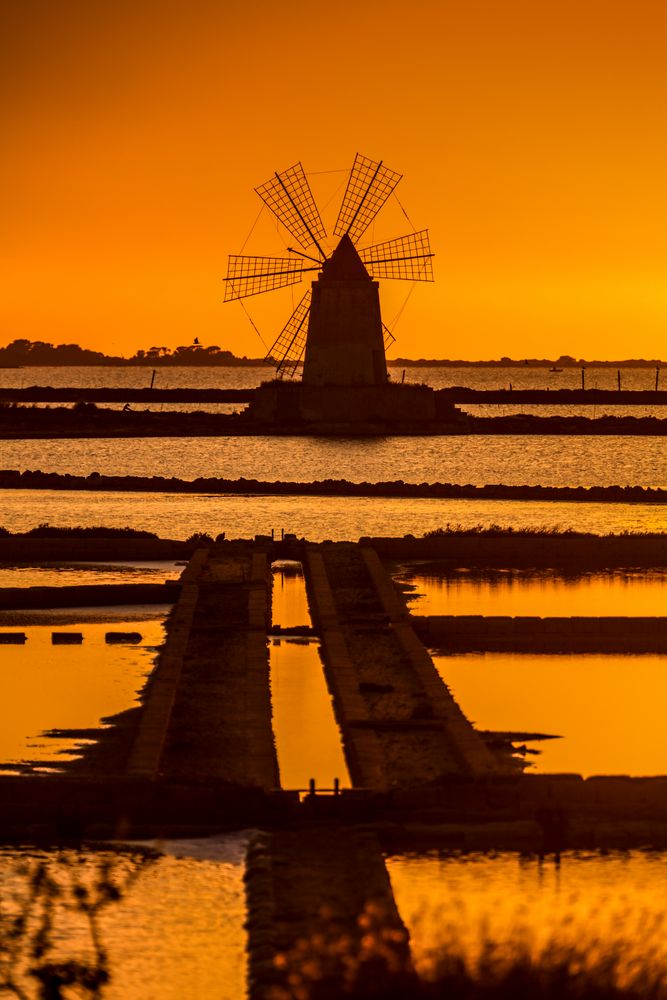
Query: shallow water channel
(308, 740)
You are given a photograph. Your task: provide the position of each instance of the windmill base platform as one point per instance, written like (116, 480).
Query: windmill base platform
(295, 403)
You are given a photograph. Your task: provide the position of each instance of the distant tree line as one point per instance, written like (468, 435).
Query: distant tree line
(31, 353)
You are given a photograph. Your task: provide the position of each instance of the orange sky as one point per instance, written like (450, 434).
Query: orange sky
(531, 136)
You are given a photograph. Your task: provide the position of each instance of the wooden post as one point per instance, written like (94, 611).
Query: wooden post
(618, 377)
(583, 378)
(311, 786)
(153, 377)
(657, 378)
(336, 786)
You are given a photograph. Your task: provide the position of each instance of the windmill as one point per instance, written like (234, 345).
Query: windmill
(336, 329)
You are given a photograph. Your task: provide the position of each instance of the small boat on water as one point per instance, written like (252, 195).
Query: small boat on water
(554, 369)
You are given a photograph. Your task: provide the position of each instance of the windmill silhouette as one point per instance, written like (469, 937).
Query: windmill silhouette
(336, 328)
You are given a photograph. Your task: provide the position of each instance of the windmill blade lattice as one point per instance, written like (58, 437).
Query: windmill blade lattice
(387, 336)
(252, 275)
(288, 348)
(368, 187)
(407, 257)
(290, 198)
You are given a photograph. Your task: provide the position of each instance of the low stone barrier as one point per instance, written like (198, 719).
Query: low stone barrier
(567, 634)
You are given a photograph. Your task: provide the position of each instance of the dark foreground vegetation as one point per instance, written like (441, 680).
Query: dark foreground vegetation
(38, 480)
(54, 945)
(514, 972)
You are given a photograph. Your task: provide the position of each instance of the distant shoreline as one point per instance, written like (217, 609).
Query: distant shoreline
(396, 363)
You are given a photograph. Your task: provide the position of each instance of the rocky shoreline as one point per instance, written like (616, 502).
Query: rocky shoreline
(13, 479)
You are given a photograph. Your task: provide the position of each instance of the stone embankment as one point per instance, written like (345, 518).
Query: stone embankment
(401, 726)
(207, 710)
(473, 633)
(37, 480)
(319, 895)
(454, 394)
(88, 421)
(566, 551)
(120, 394)
(69, 547)
(87, 596)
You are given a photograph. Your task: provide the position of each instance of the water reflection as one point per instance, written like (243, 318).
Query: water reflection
(599, 902)
(68, 687)
(512, 459)
(339, 518)
(608, 708)
(71, 574)
(529, 593)
(308, 740)
(176, 930)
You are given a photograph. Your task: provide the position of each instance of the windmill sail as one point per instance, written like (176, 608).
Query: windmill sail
(289, 347)
(252, 275)
(289, 197)
(387, 336)
(368, 187)
(407, 257)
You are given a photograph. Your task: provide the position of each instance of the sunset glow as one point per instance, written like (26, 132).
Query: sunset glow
(529, 137)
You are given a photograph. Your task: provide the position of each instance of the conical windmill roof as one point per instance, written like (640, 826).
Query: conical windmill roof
(345, 264)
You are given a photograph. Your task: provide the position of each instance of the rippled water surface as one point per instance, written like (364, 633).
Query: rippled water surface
(599, 902)
(475, 459)
(521, 377)
(317, 518)
(541, 594)
(177, 933)
(608, 708)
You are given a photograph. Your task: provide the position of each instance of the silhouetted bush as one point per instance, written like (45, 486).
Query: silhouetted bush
(49, 531)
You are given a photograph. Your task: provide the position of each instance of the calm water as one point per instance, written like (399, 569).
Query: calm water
(523, 377)
(308, 740)
(77, 574)
(512, 460)
(176, 934)
(67, 687)
(609, 708)
(595, 901)
(317, 518)
(541, 594)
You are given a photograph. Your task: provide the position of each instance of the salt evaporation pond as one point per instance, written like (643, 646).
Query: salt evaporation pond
(543, 594)
(608, 708)
(597, 902)
(68, 686)
(317, 518)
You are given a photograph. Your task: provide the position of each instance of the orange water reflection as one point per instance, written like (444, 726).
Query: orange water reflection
(46, 686)
(609, 708)
(591, 900)
(178, 932)
(307, 737)
(543, 594)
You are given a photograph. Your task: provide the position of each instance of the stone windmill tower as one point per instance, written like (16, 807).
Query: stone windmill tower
(336, 330)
